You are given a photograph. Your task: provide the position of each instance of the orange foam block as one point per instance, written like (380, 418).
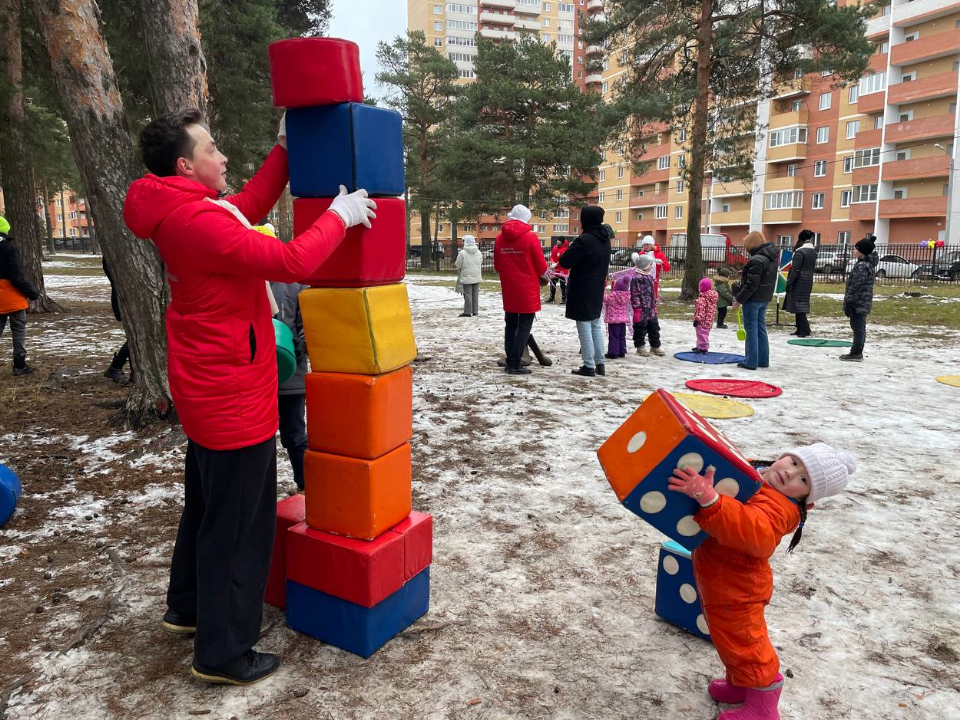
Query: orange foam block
(355, 497)
(362, 416)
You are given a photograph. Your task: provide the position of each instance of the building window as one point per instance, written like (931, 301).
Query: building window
(820, 168)
(796, 106)
(853, 127)
(639, 216)
(679, 186)
(725, 207)
(600, 197)
(603, 175)
(817, 201)
(853, 94)
(910, 37)
(438, 9)
(546, 22)
(845, 196)
(823, 135)
(681, 161)
(461, 25)
(466, 74)
(660, 212)
(899, 193)
(620, 194)
(605, 88)
(663, 162)
(784, 240)
(908, 77)
(848, 164)
(878, 122)
(866, 158)
(678, 212)
(866, 193)
(843, 237)
(682, 135)
(788, 199)
(437, 26)
(873, 83)
(619, 216)
(824, 73)
(619, 171)
(825, 100)
(903, 154)
(788, 136)
(792, 170)
(438, 42)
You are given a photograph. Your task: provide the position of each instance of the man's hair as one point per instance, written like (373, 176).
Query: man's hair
(166, 139)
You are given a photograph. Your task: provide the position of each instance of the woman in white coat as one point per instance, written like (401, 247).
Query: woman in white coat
(469, 262)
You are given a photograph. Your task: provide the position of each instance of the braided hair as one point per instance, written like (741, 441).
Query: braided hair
(795, 540)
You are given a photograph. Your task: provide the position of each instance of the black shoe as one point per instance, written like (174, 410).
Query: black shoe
(852, 357)
(584, 371)
(795, 332)
(179, 624)
(115, 374)
(723, 326)
(464, 315)
(519, 371)
(745, 367)
(25, 370)
(601, 369)
(611, 356)
(249, 668)
(805, 335)
(475, 314)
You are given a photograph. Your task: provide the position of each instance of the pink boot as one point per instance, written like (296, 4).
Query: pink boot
(759, 704)
(724, 691)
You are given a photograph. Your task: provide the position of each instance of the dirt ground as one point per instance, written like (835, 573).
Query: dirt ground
(542, 584)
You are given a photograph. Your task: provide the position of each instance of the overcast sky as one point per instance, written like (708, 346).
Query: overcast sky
(367, 22)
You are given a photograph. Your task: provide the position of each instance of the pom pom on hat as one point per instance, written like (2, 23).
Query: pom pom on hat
(828, 469)
(521, 213)
(867, 245)
(642, 262)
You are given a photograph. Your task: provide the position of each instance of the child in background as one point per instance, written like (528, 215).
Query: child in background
(732, 571)
(643, 299)
(704, 310)
(724, 295)
(616, 314)
(858, 295)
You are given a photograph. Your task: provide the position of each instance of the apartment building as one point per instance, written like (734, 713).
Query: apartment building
(68, 214)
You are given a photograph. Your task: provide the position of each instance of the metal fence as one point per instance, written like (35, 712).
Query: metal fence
(902, 264)
(71, 245)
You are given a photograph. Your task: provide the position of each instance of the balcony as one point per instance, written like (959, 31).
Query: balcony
(732, 217)
(498, 34)
(877, 63)
(928, 88)
(926, 48)
(938, 126)
(787, 216)
(785, 119)
(917, 168)
(648, 200)
(914, 13)
(594, 5)
(922, 207)
(873, 103)
(792, 88)
(525, 9)
(775, 184)
(652, 152)
(877, 26)
(594, 50)
(595, 79)
(525, 24)
(784, 153)
(499, 4)
(493, 18)
(652, 175)
(863, 211)
(868, 139)
(733, 188)
(866, 175)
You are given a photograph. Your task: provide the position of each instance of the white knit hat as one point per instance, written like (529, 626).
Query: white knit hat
(469, 240)
(521, 213)
(648, 240)
(828, 469)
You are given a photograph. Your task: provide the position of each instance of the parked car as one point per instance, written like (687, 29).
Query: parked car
(948, 267)
(894, 266)
(621, 256)
(717, 250)
(832, 259)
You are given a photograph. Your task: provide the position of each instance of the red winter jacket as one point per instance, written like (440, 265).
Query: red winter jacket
(558, 250)
(221, 349)
(518, 258)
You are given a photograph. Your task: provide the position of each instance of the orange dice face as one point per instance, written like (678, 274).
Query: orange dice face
(357, 498)
(363, 416)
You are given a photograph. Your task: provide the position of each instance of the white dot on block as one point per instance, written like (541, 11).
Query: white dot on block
(728, 487)
(653, 502)
(671, 565)
(702, 625)
(693, 461)
(636, 442)
(687, 526)
(689, 593)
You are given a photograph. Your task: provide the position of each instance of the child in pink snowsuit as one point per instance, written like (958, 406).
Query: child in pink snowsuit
(616, 313)
(704, 311)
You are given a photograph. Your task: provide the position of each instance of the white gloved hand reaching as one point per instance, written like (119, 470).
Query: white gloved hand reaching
(282, 131)
(354, 208)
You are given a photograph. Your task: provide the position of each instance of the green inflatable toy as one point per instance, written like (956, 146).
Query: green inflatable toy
(286, 355)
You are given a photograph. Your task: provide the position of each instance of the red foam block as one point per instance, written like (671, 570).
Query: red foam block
(315, 71)
(290, 511)
(360, 571)
(367, 256)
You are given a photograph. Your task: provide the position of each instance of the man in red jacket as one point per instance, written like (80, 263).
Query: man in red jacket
(222, 367)
(518, 258)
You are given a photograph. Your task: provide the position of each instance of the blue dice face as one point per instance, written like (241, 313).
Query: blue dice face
(672, 512)
(351, 144)
(678, 601)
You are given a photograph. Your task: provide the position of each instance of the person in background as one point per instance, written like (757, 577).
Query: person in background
(858, 295)
(800, 282)
(643, 299)
(558, 275)
(616, 314)
(16, 292)
(470, 263)
(704, 310)
(758, 280)
(648, 246)
(120, 358)
(724, 296)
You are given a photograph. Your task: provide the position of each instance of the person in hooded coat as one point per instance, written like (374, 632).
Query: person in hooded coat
(469, 263)
(16, 292)
(800, 282)
(758, 280)
(588, 260)
(122, 356)
(858, 294)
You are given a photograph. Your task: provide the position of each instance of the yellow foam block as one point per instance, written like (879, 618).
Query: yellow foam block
(365, 330)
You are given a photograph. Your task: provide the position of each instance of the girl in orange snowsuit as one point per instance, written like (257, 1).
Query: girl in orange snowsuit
(733, 574)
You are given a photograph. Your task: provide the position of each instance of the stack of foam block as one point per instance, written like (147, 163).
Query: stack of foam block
(351, 564)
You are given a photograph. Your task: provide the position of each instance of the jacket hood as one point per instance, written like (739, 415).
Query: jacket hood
(151, 200)
(770, 250)
(471, 250)
(873, 258)
(515, 229)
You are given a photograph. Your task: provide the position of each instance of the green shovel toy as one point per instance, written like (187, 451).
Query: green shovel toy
(741, 333)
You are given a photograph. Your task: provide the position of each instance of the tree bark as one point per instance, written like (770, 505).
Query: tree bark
(284, 224)
(19, 182)
(426, 239)
(454, 219)
(178, 70)
(93, 109)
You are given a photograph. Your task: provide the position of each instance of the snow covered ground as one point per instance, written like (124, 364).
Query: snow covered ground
(543, 585)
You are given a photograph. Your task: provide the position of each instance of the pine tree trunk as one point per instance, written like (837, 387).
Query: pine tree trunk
(284, 216)
(454, 219)
(426, 240)
(93, 109)
(693, 269)
(19, 183)
(51, 245)
(178, 70)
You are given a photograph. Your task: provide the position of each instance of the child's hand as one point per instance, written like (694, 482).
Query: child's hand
(693, 484)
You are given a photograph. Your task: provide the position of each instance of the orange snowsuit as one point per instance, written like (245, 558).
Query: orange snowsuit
(735, 580)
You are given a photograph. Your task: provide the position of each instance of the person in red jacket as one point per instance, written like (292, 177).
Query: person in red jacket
(648, 245)
(518, 259)
(558, 274)
(222, 368)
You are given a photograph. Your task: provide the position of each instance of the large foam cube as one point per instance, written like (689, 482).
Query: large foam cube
(357, 498)
(367, 256)
(315, 71)
(360, 571)
(363, 416)
(290, 512)
(10, 490)
(640, 457)
(360, 146)
(678, 601)
(366, 331)
(355, 628)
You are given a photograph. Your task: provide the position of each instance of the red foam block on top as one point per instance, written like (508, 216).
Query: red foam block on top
(367, 256)
(360, 571)
(315, 71)
(290, 511)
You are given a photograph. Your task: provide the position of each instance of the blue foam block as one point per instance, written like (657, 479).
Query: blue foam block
(710, 358)
(10, 490)
(678, 601)
(355, 628)
(350, 144)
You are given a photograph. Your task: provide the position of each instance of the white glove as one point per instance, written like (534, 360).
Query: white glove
(354, 208)
(282, 131)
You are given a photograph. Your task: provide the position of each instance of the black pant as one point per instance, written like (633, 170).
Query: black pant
(858, 323)
(640, 330)
(222, 556)
(553, 288)
(120, 359)
(721, 315)
(293, 432)
(803, 325)
(515, 336)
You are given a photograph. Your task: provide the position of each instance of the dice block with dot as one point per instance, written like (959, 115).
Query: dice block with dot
(677, 600)
(662, 435)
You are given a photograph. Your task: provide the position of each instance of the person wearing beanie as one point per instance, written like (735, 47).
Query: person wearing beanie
(858, 294)
(558, 275)
(469, 264)
(616, 314)
(648, 246)
(588, 260)
(704, 311)
(732, 569)
(724, 297)
(16, 292)
(643, 300)
(758, 280)
(521, 213)
(800, 282)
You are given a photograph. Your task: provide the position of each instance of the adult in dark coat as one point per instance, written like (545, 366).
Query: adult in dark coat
(291, 396)
(588, 260)
(800, 282)
(120, 358)
(754, 292)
